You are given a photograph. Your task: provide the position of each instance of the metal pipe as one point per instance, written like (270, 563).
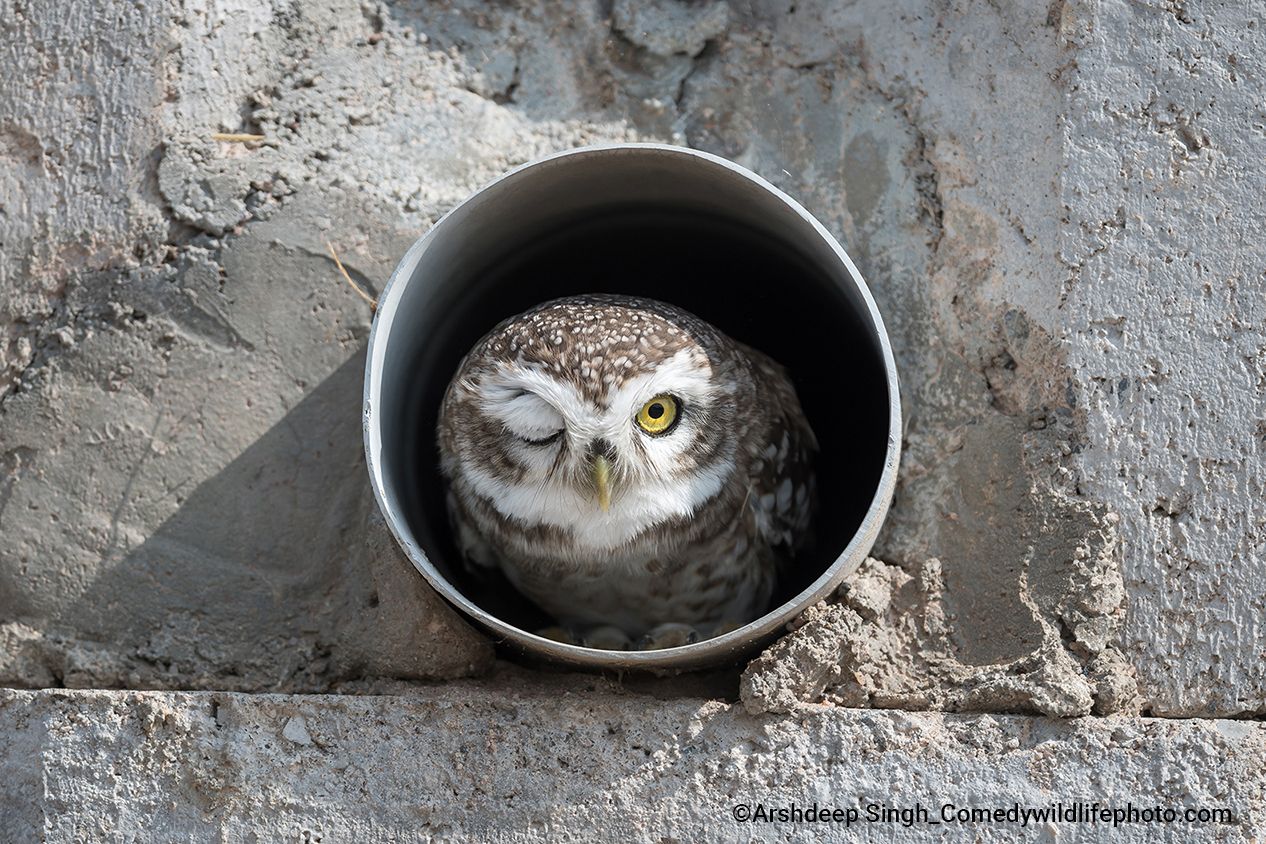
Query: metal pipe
(648, 219)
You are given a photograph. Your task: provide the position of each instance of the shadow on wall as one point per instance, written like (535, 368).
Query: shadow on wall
(266, 578)
(256, 549)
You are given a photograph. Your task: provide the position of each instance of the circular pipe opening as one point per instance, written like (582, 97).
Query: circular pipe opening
(669, 223)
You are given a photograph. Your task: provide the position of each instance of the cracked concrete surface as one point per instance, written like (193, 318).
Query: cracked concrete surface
(1055, 215)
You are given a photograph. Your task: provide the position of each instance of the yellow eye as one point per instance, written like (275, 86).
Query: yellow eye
(657, 415)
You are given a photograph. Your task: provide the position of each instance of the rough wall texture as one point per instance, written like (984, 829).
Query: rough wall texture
(1053, 204)
(518, 761)
(1166, 303)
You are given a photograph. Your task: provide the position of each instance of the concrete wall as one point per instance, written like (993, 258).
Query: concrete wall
(584, 761)
(1056, 206)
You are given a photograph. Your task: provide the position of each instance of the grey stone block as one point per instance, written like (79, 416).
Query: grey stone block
(580, 759)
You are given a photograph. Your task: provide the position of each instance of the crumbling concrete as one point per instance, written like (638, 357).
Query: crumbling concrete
(581, 759)
(1072, 288)
(888, 643)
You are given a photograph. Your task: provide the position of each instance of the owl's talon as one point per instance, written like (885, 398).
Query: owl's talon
(670, 635)
(607, 638)
(559, 634)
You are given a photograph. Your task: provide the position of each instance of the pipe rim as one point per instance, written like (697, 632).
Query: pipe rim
(709, 651)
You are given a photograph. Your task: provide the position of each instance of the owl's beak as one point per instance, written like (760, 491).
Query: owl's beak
(602, 480)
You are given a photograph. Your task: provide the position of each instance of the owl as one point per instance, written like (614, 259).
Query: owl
(636, 473)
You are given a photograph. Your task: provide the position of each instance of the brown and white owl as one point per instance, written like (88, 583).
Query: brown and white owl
(631, 469)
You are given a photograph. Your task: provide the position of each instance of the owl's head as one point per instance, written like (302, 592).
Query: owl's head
(603, 415)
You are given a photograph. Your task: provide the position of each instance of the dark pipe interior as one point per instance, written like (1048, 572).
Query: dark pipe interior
(755, 289)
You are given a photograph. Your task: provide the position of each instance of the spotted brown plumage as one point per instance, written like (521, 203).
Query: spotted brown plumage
(626, 464)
